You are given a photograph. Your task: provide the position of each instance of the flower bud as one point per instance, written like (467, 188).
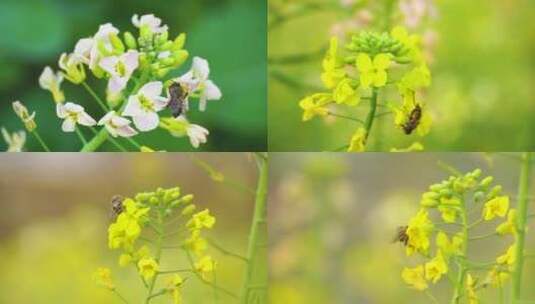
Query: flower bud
(187, 198)
(179, 42)
(154, 200)
(129, 40)
(180, 57)
(167, 46)
(189, 210)
(429, 203)
(161, 73)
(118, 45)
(478, 196)
(22, 112)
(486, 182)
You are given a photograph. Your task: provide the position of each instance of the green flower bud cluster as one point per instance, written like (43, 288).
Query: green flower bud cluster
(374, 43)
(159, 54)
(166, 200)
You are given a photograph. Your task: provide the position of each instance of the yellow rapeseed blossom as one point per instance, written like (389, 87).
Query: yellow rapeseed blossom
(509, 257)
(315, 105)
(509, 226)
(449, 247)
(497, 206)
(471, 290)
(497, 278)
(200, 220)
(418, 231)
(435, 268)
(205, 266)
(102, 277)
(147, 267)
(415, 277)
(448, 209)
(195, 243)
(333, 71)
(127, 228)
(173, 288)
(373, 72)
(346, 93)
(358, 141)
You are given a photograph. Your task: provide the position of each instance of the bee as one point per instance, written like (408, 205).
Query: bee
(401, 236)
(116, 206)
(413, 121)
(178, 95)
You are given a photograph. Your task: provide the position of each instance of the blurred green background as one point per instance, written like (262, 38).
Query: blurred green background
(56, 212)
(231, 34)
(333, 218)
(483, 69)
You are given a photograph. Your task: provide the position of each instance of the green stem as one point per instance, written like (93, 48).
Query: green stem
(224, 251)
(459, 285)
(40, 140)
(133, 142)
(120, 296)
(81, 136)
(254, 288)
(371, 115)
(95, 96)
(346, 117)
(96, 141)
(521, 222)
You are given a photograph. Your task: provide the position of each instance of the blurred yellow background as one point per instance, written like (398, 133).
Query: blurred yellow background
(56, 211)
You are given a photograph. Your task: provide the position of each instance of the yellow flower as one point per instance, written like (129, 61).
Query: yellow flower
(407, 118)
(148, 267)
(346, 93)
(471, 290)
(373, 72)
(415, 277)
(200, 220)
(315, 105)
(358, 141)
(497, 278)
(127, 228)
(196, 243)
(173, 288)
(509, 257)
(418, 230)
(333, 71)
(435, 268)
(102, 277)
(448, 209)
(509, 226)
(449, 247)
(127, 258)
(410, 42)
(414, 147)
(205, 266)
(497, 206)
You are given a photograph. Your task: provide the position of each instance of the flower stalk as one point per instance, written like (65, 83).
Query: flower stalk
(461, 262)
(254, 288)
(521, 223)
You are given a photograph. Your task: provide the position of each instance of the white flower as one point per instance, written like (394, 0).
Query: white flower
(73, 114)
(117, 125)
(22, 112)
(197, 81)
(151, 22)
(82, 50)
(52, 82)
(72, 67)
(145, 105)
(102, 37)
(120, 68)
(14, 141)
(180, 127)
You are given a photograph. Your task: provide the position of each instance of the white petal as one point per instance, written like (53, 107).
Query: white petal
(202, 104)
(60, 110)
(111, 130)
(131, 61)
(211, 91)
(46, 79)
(108, 64)
(135, 20)
(68, 125)
(147, 121)
(106, 118)
(126, 131)
(200, 68)
(160, 103)
(86, 120)
(62, 62)
(73, 108)
(133, 107)
(120, 121)
(116, 84)
(152, 89)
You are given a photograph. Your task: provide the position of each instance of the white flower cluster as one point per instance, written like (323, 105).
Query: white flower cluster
(134, 69)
